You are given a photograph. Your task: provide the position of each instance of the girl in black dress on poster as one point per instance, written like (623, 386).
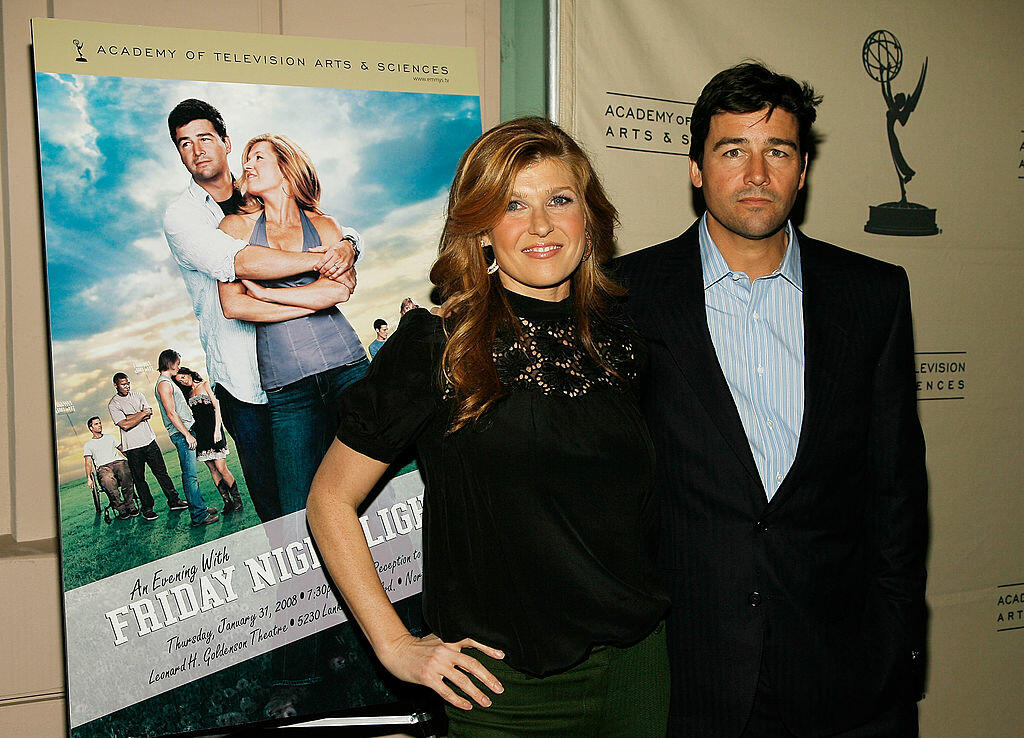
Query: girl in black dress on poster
(211, 444)
(538, 577)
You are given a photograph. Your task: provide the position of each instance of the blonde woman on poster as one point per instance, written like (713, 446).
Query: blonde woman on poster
(306, 360)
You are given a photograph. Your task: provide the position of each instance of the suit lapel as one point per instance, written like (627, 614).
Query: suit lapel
(825, 346)
(682, 320)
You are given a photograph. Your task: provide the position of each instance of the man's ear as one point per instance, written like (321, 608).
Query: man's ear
(803, 172)
(695, 175)
(227, 144)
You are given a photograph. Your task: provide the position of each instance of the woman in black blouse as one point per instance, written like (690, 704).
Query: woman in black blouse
(538, 580)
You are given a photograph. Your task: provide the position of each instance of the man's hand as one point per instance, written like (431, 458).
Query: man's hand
(190, 440)
(88, 480)
(337, 262)
(148, 413)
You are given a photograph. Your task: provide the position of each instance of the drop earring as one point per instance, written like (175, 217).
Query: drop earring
(588, 250)
(493, 266)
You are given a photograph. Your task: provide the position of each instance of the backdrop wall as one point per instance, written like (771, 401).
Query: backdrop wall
(629, 75)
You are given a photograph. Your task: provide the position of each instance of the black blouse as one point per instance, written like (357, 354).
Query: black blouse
(539, 519)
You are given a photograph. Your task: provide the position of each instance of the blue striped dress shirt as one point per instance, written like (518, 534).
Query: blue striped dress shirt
(758, 331)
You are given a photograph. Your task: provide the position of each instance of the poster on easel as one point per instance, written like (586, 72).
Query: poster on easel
(195, 367)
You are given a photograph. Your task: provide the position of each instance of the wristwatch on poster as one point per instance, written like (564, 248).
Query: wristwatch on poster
(355, 246)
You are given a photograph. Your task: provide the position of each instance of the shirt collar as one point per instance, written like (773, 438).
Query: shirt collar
(715, 268)
(531, 308)
(197, 191)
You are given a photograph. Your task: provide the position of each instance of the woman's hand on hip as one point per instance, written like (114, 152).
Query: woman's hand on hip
(430, 661)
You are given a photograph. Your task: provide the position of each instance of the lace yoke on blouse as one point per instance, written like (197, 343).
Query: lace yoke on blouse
(550, 358)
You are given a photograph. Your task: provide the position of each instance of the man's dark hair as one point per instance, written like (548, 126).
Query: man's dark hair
(189, 110)
(119, 376)
(747, 88)
(166, 359)
(378, 323)
(88, 423)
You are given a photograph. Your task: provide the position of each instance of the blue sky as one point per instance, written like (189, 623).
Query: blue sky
(109, 169)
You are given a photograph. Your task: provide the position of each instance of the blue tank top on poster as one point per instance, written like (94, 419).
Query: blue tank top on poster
(302, 347)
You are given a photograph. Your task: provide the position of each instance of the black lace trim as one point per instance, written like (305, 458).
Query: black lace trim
(549, 357)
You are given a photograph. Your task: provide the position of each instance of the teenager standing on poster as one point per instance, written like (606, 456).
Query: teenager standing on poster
(211, 445)
(131, 412)
(381, 327)
(537, 465)
(207, 256)
(178, 421)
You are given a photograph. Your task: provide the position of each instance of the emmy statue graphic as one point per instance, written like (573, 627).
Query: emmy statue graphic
(78, 45)
(883, 59)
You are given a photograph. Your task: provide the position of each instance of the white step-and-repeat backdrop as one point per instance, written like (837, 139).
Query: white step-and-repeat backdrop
(629, 75)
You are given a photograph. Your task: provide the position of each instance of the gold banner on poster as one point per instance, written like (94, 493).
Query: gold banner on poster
(105, 49)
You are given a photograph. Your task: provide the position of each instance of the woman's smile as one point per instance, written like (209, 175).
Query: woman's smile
(542, 251)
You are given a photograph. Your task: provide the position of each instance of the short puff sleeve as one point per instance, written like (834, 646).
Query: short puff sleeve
(384, 412)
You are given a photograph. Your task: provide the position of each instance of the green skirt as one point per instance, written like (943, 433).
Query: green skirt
(614, 692)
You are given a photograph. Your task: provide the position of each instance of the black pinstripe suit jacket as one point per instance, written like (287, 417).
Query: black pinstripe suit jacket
(824, 584)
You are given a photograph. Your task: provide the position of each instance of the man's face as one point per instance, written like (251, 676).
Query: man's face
(752, 171)
(382, 332)
(96, 426)
(202, 151)
(122, 386)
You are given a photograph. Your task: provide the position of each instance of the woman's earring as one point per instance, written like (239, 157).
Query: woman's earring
(588, 250)
(493, 266)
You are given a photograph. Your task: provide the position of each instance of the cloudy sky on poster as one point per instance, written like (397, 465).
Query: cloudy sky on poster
(109, 169)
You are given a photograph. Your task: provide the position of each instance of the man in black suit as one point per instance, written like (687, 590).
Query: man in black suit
(781, 398)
